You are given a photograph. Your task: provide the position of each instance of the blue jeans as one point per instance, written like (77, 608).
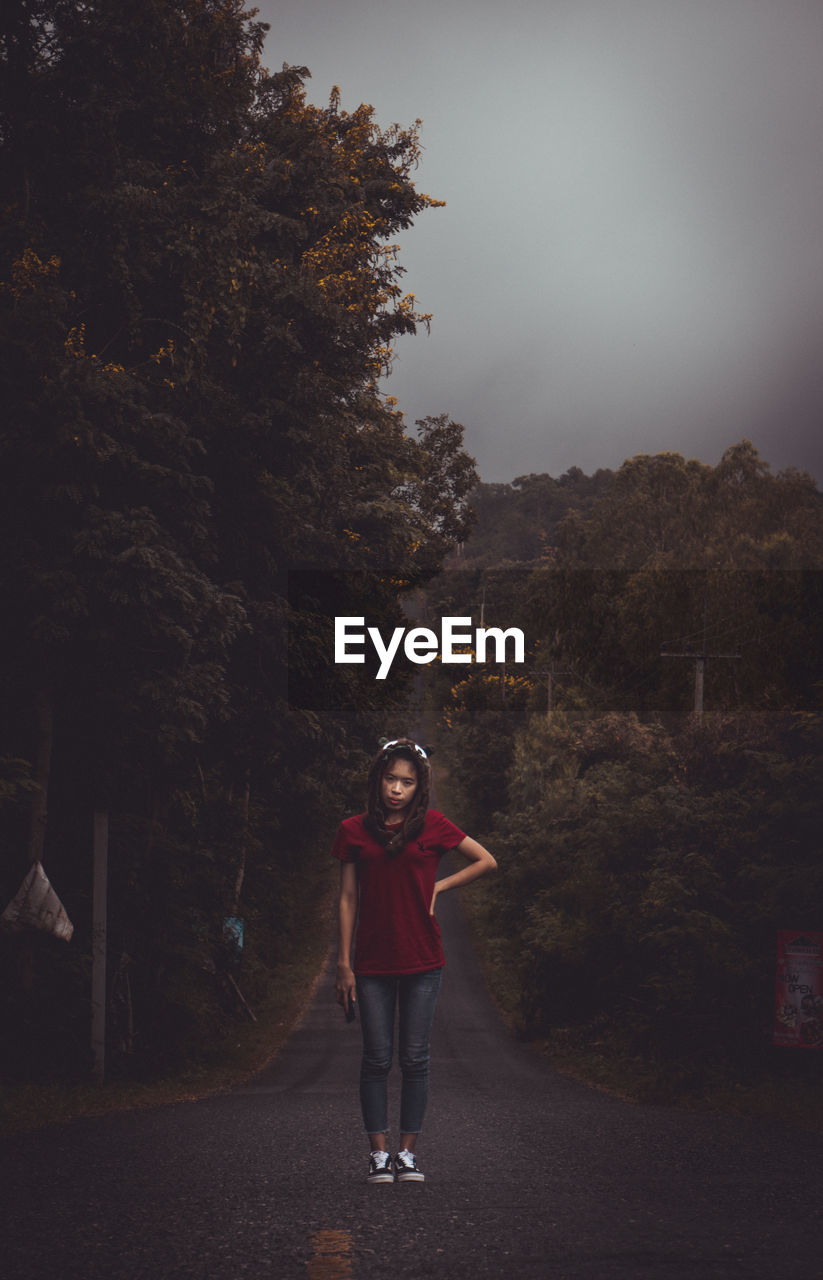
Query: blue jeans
(377, 998)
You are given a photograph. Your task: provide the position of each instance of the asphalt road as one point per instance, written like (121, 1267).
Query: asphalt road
(528, 1175)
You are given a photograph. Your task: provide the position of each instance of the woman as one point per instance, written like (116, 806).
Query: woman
(388, 896)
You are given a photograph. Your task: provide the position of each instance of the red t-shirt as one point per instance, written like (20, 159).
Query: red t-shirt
(395, 933)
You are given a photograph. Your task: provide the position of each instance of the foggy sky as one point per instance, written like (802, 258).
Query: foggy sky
(631, 256)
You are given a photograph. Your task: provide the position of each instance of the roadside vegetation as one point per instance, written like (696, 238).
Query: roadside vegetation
(237, 1047)
(650, 849)
(199, 292)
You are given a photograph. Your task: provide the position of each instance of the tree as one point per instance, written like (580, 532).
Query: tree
(200, 292)
(646, 873)
(681, 557)
(518, 522)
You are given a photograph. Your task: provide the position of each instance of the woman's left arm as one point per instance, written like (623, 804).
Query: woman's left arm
(480, 861)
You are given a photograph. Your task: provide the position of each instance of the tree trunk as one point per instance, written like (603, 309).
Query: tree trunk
(44, 719)
(241, 871)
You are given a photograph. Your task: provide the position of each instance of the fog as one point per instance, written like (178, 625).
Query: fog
(631, 257)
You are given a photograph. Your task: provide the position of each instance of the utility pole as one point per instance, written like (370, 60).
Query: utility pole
(98, 944)
(550, 675)
(699, 660)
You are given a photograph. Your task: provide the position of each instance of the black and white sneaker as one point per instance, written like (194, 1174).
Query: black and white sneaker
(405, 1168)
(380, 1167)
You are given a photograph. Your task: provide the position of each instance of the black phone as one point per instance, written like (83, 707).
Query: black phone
(350, 1009)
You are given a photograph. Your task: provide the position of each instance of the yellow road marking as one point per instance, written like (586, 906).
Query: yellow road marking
(331, 1256)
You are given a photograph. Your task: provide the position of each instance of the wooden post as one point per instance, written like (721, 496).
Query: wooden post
(699, 673)
(99, 945)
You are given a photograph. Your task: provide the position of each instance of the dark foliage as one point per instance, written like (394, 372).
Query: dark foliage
(648, 853)
(199, 294)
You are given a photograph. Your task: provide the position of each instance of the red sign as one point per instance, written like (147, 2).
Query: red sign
(798, 1006)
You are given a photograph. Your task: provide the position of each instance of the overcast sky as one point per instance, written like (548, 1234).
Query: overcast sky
(631, 256)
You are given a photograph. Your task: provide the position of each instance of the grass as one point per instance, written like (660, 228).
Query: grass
(783, 1086)
(249, 1048)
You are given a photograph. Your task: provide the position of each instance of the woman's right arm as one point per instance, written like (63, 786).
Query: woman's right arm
(347, 916)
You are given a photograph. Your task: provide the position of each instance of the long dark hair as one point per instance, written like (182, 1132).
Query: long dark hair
(395, 840)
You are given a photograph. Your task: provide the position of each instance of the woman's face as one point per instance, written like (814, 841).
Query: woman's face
(398, 785)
